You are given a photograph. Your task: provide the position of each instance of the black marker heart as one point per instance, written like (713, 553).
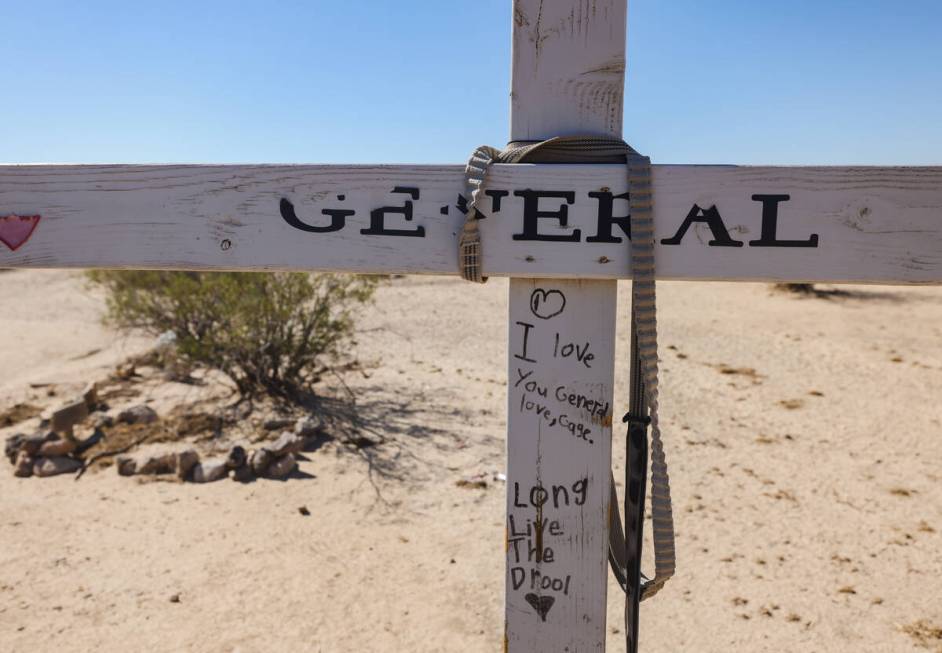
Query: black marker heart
(541, 604)
(547, 303)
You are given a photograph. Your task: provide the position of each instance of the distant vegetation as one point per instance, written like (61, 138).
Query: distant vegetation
(797, 288)
(273, 333)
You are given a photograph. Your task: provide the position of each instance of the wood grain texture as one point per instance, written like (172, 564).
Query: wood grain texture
(568, 78)
(876, 225)
(568, 73)
(561, 362)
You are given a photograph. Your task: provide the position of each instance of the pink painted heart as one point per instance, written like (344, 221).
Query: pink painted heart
(16, 229)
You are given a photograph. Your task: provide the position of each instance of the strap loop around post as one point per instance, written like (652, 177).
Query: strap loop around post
(592, 149)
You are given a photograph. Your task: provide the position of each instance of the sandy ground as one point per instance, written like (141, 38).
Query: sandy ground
(803, 434)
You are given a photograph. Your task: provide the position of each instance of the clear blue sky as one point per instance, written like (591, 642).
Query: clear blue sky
(747, 81)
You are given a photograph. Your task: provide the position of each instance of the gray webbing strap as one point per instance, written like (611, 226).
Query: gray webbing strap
(590, 149)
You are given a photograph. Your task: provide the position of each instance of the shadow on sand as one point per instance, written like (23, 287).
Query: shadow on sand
(830, 293)
(389, 428)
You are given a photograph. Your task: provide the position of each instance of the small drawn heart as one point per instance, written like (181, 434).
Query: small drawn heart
(546, 304)
(541, 604)
(16, 229)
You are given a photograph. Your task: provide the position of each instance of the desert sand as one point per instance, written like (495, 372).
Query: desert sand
(803, 435)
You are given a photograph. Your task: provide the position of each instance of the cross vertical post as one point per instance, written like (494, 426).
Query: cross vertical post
(568, 79)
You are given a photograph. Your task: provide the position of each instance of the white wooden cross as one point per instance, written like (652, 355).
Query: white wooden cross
(558, 230)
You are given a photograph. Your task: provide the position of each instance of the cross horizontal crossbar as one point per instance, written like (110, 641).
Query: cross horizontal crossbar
(851, 224)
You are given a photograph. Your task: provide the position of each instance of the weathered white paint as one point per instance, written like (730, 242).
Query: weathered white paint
(568, 68)
(561, 364)
(880, 225)
(568, 78)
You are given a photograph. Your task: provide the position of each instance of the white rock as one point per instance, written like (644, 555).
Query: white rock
(210, 471)
(259, 460)
(186, 461)
(57, 447)
(286, 443)
(68, 416)
(24, 465)
(53, 465)
(282, 467)
(126, 466)
(164, 463)
(309, 426)
(139, 414)
(90, 396)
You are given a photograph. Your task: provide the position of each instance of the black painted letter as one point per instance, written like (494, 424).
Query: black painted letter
(714, 221)
(337, 218)
(606, 219)
(378, 217)
(532, 215)
(770, 224)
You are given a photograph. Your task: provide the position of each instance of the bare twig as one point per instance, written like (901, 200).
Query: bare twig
(346, 387)
(106, 454)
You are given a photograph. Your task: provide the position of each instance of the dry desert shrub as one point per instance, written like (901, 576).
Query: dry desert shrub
(273, 333)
